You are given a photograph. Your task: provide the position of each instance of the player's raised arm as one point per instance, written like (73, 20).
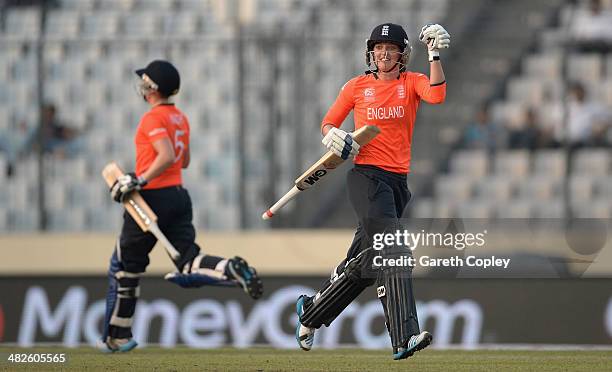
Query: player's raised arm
(433, 89)
(436, 38)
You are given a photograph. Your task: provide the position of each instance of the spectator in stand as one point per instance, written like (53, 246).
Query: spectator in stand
(12, 142)
(591, 28)
(587, 121)
(529, 134)
(59, 140)
(483, 133)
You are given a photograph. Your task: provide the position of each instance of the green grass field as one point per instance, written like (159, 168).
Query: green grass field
(266, 359)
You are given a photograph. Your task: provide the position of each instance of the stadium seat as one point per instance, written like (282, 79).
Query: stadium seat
(422, 208)
(53, 51)
(595, 209)
(472, 162)
(543, 66)
(62, 25)
(603, 187)
(4, 220)
(5, 120)
(512, 163)
(550, 163)
(515, 208)
(475, 209)
(5, 66)
(526, 90)
(23, 220)
(444, 209)
(18, 193)
(539, 188)
(100, 25)
(3, 169)
(549, 209)
(585, 67)
(605, 90)
(56, 195)
(77, 4)
(124, 5)
(25, 69)
(195, 5)
(497, 188)
(141, 25)
(161, 6)
(509, 114)
(72, 220)
(595, 162)
(22, 24)
(179, 25)
(453, 187)
(581, 188)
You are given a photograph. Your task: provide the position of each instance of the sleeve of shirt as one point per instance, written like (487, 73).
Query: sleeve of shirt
(152, 128)
(344, 103)
(429, 93)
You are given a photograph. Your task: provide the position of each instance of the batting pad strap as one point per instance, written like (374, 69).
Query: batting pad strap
(121, 322)
(128, 292)
(125, 274)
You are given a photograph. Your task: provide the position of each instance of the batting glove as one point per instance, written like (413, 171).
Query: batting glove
(436, 38)
(126, 184)
(341, 143)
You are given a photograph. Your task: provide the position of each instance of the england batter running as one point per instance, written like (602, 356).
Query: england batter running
(387, 96)
(162, 151)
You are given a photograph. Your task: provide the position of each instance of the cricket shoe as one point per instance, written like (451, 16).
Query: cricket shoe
(304, 335)
(246, 276)
(414, 344)
(113, 345)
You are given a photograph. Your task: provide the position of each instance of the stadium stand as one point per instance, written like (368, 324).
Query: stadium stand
(279, 64)
(552, 180)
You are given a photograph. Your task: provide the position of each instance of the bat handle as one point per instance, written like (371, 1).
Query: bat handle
(172, 252)
(280, 203)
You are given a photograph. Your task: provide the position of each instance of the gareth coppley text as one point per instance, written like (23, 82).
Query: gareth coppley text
(455, 261)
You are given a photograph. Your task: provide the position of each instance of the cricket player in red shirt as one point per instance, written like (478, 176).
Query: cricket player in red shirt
(387, 96)
(162, 152)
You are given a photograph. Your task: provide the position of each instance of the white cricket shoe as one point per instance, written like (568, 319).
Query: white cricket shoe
(414, 344)
(304, 335)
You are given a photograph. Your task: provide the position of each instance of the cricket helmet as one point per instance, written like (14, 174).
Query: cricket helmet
(389, 33)
(161, 76)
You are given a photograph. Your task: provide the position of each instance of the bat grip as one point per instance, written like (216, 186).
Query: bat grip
(280, 203)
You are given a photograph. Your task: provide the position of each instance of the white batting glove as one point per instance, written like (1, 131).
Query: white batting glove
(436, 38)
(124, 185)
(341, 143)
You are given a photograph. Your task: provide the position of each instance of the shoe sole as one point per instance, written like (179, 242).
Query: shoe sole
(248, 280)
(422, 345)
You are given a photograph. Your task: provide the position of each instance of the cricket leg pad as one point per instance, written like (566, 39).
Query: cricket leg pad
(327, 304)
(123, 292)
(397, 297)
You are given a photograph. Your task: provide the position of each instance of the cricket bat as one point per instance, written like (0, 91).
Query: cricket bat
(140, 211)
(318, 170)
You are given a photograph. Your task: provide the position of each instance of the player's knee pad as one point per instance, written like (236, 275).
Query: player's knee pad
(344, 287)
(128, 291)
(395, 293)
